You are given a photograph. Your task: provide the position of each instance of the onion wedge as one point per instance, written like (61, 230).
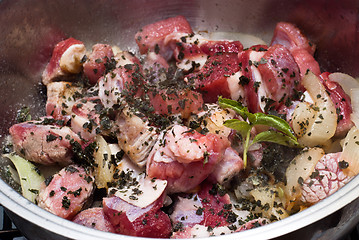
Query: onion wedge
(29, 175)
(315, 123)
(349, 159)
(300, 169)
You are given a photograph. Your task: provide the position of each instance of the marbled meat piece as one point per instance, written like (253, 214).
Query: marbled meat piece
(44, 144)
(67, 191)
(152, 37)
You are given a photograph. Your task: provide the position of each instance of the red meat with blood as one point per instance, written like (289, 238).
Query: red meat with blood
(185, 102)
(327, 178)
(280, 73)
(288, 35)
(95, 65)
(185, 158)
(131, 220)
(341, 102)
(94, 218)
(53, 70)
(67, 192)
(44, 144)
(152, 37)
(211, 80)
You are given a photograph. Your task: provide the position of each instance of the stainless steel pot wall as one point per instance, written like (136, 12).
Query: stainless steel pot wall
(30, 29)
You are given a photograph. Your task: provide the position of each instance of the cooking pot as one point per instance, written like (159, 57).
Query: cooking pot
(30, 29)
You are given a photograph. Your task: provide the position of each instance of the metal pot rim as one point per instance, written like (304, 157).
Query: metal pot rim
(13, 201)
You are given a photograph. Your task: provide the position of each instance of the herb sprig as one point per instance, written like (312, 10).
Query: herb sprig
(280, 132)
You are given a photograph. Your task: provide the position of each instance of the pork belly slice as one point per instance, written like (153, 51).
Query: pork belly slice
(269, 77)
(94, 218)
(44, 144)
(327, 178)
(67, 191)
(132, 220)
(185, 157)
(192, 51)
(61, 96)
(152, 37)
(100, 58)
(65, 61)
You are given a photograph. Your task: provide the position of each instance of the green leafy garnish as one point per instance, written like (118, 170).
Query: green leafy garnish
(280, 132)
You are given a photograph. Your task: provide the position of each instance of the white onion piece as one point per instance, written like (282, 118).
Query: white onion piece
(30, 179)
(346, 81)
(354, 95)
(105, 169)
(300, 169)
(247, 40)
(350, 152)
(315, 123)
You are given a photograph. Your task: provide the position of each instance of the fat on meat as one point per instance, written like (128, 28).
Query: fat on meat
(131, 220)
(326, 179)
(65, 61)
(94, 218)
(185, 157)
(44, 144)
(86, 118)
(191, 51)
(152, 37)
(126, 76)
(95, 65)
(67, 191)
(231, 165)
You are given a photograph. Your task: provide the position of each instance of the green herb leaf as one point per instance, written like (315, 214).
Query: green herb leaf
(275, 137)
(275, 122)
(283, 136)
(241, 126)
(236, 106)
